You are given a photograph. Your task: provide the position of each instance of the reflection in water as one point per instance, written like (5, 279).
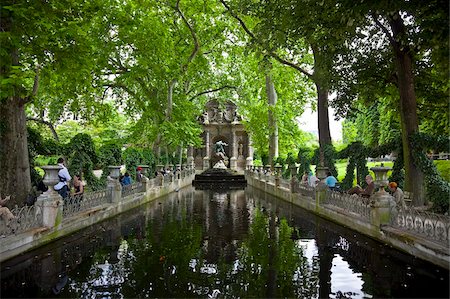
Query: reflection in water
(217, 245)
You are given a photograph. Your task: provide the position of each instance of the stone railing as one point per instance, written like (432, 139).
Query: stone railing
(45, 213)
(421, 233)
(25, 217)
(83, 202)
(132, 189)
(352, 204)
(285, 183)
(427, 224)
(305, 190)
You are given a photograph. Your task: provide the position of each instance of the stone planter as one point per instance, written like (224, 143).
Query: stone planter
(51, 176)
(383, 204)
(114, 171)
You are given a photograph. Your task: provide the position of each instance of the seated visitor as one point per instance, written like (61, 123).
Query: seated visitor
(305, 178)
(398, 195)
(366, 192)
(330, 181)
(126, 179)
(312, 180)
(5, 213)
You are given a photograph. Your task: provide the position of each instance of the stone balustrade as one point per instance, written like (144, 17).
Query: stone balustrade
(423, 234)
(51, 217)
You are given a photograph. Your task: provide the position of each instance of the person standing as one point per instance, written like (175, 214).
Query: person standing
(78, 186)
(139, 174)
(64, 178)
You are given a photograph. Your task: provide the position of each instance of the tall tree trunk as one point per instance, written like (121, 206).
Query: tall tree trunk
(15, 179)
(320, 79)
(408, 107)
(273, 126)
(322, 116)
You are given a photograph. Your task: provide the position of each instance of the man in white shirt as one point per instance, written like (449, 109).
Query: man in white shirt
(64, 178)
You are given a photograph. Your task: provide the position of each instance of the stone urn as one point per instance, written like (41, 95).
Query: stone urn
(382, 201)
(114, 171)
(321, 172)
(51, 176)
(381, 176)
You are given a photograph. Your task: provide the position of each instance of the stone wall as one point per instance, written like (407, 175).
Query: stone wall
(369, 223)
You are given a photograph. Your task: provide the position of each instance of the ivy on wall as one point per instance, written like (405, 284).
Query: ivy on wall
(437, 189)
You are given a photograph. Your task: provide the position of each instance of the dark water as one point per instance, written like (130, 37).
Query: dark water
(217, 245)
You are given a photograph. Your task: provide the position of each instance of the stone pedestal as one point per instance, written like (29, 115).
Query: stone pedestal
(233, 163)
(51, 206)
(383, 208)
(50, 202)
(382, 203)
(205, 163)
(113, 185)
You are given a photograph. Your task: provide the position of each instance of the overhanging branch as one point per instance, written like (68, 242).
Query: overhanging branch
(212, 90)
(48, 124)
(271, 53)
(194, 37)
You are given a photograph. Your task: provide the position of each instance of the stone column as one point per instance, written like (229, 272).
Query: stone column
(50, 202)
(190, 155)
(383, 206)
(249, 159)
(206, 158)
(233, 163)
(114, 185)
(278, 170)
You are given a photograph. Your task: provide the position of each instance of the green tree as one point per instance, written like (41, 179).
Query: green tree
(392, 45)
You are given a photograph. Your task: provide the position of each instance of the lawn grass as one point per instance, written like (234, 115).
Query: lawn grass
(443, 167)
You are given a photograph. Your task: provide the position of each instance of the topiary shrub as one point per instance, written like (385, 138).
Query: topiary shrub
(132, 157)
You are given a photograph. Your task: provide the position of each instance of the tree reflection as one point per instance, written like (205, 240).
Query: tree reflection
(271, 264)
(170, 262)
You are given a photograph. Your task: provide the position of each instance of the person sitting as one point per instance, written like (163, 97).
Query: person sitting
(64, 178)
(126, 179)
(305, 178)
(398, 195)
(330, 181)
(312, 180)
(366, 192)
(5, 213)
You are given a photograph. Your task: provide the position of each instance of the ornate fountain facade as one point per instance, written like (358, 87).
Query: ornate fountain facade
(221, 123)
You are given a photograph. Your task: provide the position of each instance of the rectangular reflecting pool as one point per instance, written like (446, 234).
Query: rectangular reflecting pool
(219, 244)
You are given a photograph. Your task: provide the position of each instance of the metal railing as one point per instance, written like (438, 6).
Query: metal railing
(429, 225)
(25, 218)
